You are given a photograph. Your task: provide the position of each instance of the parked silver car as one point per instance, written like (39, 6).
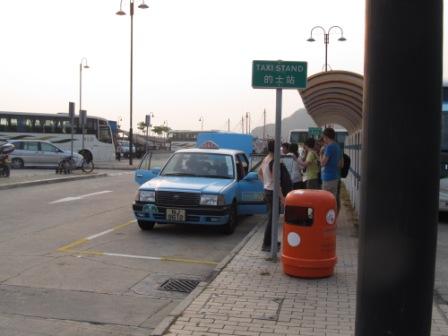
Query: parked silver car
(39, 153)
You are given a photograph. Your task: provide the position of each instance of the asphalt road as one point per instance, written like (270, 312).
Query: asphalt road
(74, 262)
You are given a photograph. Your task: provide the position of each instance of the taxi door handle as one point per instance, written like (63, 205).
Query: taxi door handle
(139, 175)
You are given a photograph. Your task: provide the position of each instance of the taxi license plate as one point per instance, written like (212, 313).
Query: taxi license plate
(177, 215)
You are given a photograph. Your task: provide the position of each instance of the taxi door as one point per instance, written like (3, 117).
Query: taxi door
(144, 172)
(250, 194)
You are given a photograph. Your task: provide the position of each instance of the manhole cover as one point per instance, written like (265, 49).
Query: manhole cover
(179, 285)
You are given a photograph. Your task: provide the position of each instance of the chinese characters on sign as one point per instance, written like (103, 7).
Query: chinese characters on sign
(279, 75)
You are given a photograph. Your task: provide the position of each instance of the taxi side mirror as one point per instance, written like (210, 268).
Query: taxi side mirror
(156, 170)
(143, 175)
(252, 176)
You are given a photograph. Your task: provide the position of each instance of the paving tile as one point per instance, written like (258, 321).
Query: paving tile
(253, 297)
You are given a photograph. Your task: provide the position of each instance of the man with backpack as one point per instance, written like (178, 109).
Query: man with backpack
(330, 161)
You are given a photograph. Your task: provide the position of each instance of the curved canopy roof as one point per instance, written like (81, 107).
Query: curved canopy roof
(335, 97)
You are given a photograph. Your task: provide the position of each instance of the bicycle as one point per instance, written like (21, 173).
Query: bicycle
(68, 164)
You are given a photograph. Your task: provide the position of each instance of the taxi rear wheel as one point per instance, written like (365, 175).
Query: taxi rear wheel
(145, 225)
(229, 228)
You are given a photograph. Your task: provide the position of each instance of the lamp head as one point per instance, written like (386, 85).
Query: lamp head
(143, 5)
(86, 67)
(342, 39)
(311, 39)
(120, 12)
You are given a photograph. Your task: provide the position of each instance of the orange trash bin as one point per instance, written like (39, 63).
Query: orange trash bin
(309, 234)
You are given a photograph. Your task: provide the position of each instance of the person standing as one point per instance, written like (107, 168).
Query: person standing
(311, 175)
(265, 175)
(330, 157)
(297, 166)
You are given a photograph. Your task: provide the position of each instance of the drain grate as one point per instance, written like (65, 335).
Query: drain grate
(179, 285)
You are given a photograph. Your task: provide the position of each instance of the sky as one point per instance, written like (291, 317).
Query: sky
(192, 58)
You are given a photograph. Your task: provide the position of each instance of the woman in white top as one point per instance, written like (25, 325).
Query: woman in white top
(266, 176)
(297, 167)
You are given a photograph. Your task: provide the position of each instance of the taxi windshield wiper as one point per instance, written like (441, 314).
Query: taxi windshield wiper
(179, 174)
(217, 176)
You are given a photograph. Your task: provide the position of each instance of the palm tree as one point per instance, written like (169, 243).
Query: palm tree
(142, 126)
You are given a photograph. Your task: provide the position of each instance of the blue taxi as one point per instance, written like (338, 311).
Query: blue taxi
(199, 186)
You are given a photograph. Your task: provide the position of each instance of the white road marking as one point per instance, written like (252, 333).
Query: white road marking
(100, 234)
(131, 256)
(75, 198)
(119, 174)
(70, 249)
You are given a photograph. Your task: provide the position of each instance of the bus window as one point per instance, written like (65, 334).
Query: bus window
(91, 126)
(58, 126)
(48, 126)
(298, 137)
(105, 134)
(13, 124)
(66, 127)
(3, 124)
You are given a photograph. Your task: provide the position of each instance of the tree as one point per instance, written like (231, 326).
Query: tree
(161, 129)
(142, 126)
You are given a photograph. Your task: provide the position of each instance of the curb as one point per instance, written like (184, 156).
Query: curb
(164, 325)
(105, 167)
(50, 181)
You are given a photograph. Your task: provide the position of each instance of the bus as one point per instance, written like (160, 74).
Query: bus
(56, 128)
(299, 136)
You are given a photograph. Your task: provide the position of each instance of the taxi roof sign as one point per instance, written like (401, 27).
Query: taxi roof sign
(209, 144)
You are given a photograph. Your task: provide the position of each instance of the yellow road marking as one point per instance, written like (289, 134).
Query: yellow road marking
(118, 227)
(84, 252)
(70, 246)
(67, 247)
(189, 261)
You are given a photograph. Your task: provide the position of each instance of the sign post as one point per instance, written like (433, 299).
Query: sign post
(82, 120)
(278, 75)
(71, 115)
(148, 124)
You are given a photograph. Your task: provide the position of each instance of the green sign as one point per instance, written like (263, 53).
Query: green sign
(314, 132)
(279, 75)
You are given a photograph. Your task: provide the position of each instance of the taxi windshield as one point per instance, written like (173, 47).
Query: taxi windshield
(200, 165)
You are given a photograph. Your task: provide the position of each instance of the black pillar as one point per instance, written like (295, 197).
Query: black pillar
(400, 168)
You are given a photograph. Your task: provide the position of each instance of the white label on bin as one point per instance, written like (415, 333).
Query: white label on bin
(331, 216)
(293, 239)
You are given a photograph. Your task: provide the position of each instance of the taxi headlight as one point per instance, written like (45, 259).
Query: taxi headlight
(212, 200)
(147, 196)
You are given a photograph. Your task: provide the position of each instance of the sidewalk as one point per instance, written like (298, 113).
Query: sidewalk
(252, 296)
(27, 177)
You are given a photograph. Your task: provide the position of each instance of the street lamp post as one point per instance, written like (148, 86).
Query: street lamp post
(81, 66)
(327, 40)
(148, 124)
(201, 120)
(131, 13)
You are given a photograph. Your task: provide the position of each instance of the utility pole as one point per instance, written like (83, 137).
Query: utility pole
(397, 244)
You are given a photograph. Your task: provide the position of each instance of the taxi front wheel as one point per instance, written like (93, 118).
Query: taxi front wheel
(229, 228)
(145, 225)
